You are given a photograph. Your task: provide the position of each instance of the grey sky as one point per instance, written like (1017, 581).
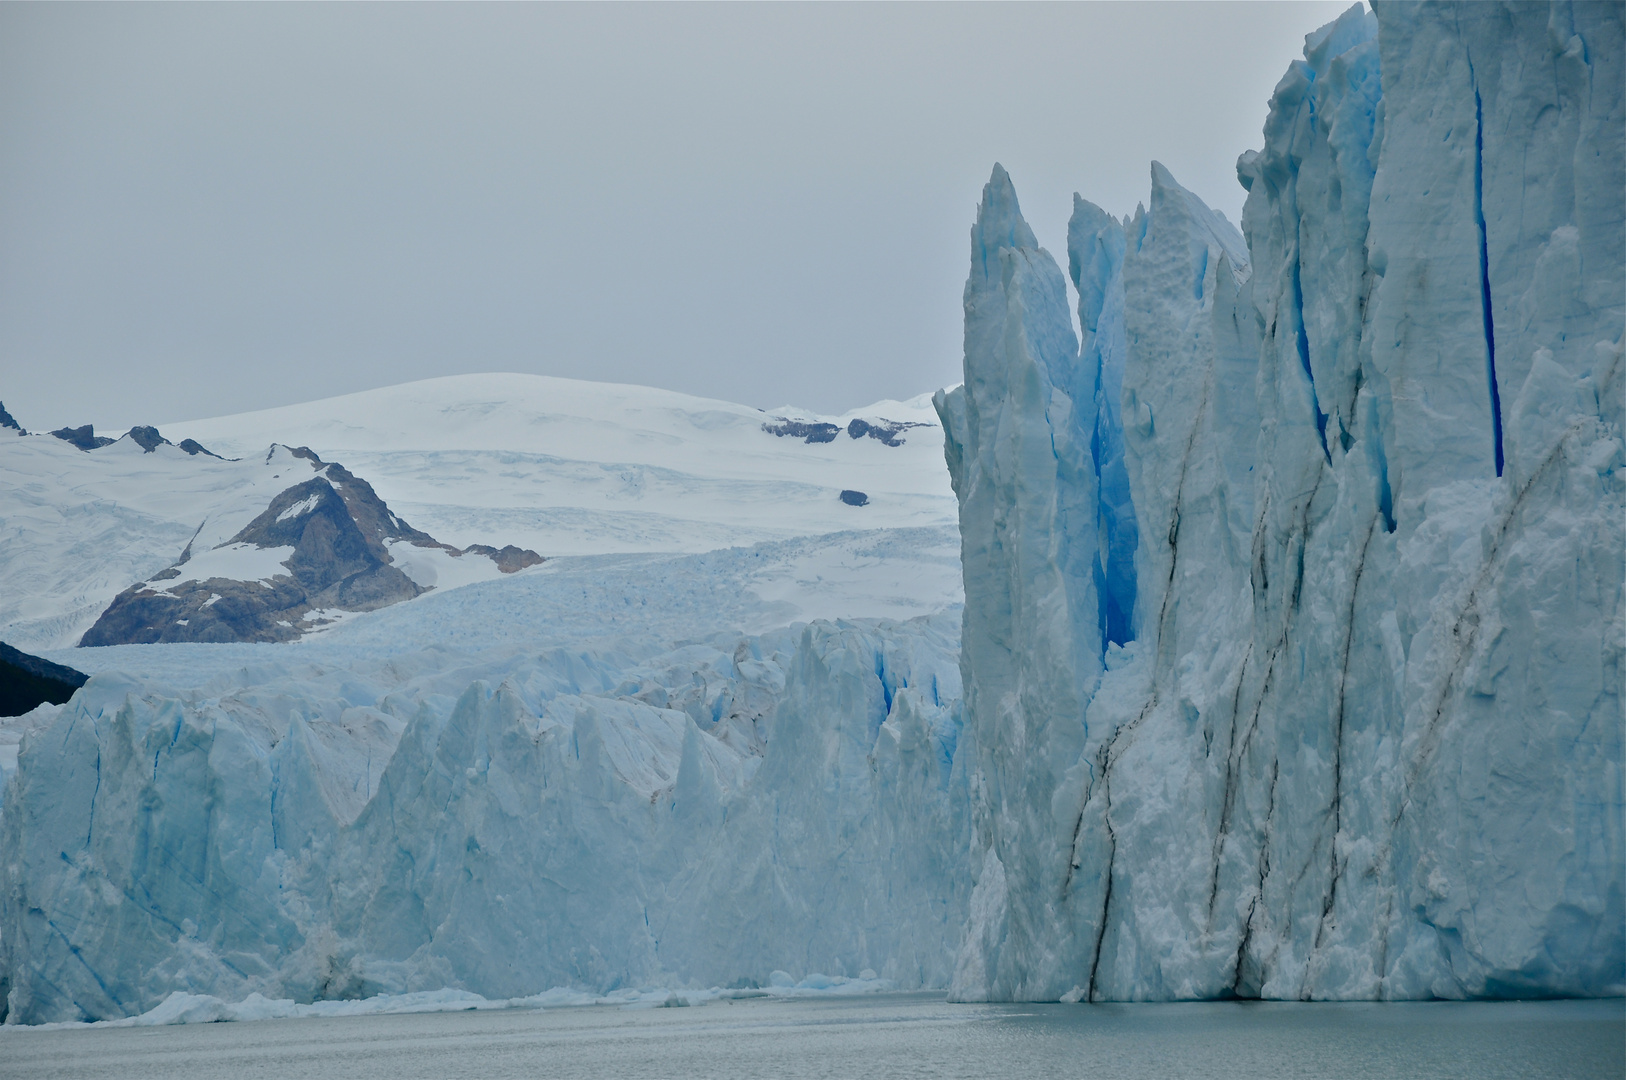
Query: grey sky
(211, 208)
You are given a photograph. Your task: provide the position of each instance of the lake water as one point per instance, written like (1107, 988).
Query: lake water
(894, 1035)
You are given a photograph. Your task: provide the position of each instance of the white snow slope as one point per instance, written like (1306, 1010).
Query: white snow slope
(1362, 735)
(78, 527)
(560, 466)
(567, 467)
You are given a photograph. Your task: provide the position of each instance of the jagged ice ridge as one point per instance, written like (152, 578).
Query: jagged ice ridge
(1361, 736)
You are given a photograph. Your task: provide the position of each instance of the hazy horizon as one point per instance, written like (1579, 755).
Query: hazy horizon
(210, 209)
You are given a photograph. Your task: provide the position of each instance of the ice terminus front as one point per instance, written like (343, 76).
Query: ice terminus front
(1017, 439)
(1359, 734)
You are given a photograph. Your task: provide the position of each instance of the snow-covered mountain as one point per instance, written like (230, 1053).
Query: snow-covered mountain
(93, 552)
(567, 467)
(325, 548)
(556, 466)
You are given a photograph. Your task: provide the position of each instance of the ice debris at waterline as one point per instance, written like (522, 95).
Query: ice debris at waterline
(183, 1008)
(1361, 736)
(1292, 643)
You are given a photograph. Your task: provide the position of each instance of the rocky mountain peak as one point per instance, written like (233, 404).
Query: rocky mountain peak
(85, 437)
(321, 546)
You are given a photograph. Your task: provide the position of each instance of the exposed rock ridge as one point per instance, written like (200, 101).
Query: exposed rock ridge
(887, 432)
(321, 547)
(144, 436)
(85, 437)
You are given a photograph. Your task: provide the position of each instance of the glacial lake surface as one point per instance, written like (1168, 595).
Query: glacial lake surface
(891, 1035)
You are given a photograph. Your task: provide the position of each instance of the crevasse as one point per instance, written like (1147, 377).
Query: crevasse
(1095, 253)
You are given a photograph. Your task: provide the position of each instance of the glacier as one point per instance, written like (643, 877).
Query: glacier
(333, 826)
(1363, 735)
(641, 627)
(1288, 666)
(567, 468)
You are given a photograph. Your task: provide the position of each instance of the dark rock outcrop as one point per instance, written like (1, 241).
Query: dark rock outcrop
(85, 438)
(886, 431)
(509, 559)
(193, 447)
(144, 436)
(337, 531)
(854, 498)
(882, 430)
(801, 429)
(29, 681)
(147, 438)
(9, 421)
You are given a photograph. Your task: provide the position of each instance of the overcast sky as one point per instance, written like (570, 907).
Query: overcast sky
(211, 208)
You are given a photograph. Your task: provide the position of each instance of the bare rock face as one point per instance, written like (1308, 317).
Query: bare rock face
(148, 438)
(887, 432)
(509, 559)
(84, 437)
(193, 447)
(320, 547)
(808, 431)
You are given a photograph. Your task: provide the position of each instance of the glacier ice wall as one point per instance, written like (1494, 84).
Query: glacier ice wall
(1361, 736)
(561, 818)
(1018, 435)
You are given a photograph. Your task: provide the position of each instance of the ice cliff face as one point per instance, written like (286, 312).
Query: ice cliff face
(1363, 735)
(561, 818)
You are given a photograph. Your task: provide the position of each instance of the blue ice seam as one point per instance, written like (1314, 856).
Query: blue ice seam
(1484, 276)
